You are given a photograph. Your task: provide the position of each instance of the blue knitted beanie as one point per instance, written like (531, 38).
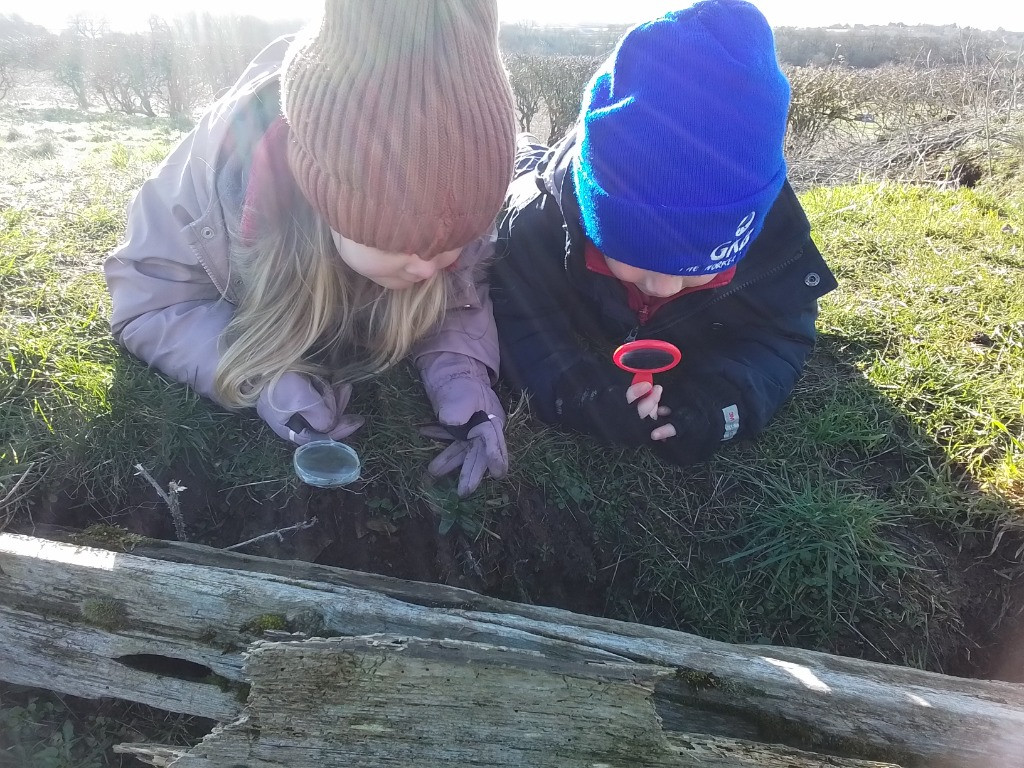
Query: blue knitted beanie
(680, 156)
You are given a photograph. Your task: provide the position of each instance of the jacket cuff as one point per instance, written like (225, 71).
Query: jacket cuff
(458, 386)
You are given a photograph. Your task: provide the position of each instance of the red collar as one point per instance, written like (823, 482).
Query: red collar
(643, 305)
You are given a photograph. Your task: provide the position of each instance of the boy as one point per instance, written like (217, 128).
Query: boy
(665, 214)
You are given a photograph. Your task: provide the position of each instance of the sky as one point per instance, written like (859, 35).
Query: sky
(984, 14)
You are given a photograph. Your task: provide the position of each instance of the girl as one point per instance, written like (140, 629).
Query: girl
(329, 216)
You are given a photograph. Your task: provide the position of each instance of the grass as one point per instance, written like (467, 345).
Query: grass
(937, 318)
(837, 529)
(42, 149)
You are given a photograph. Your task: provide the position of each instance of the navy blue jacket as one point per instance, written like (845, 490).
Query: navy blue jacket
(743, 344)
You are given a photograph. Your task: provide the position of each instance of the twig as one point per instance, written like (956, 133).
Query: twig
(10, 493)
(865, 639)
(170, 497)
(276, 534)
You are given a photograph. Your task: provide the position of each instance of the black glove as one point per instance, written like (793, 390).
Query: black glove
(698, 414)
(591, 398)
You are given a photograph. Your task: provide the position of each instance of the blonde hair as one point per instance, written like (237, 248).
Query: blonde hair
(300, 308)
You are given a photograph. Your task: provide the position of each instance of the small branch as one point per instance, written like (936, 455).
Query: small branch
(170, 497)
(276, 534)
(10, 493)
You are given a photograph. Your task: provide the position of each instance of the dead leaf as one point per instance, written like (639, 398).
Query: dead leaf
(380, 525)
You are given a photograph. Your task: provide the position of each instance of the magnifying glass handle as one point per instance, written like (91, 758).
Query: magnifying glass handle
(298, 424)
(644, 376)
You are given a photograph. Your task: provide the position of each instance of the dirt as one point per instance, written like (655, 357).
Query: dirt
(532, 553)
(1005, 660)
(535, 553)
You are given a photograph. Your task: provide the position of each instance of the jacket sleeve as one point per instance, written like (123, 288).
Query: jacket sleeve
(167, 310)
(734, 385)
(541, 353)
(459, 361)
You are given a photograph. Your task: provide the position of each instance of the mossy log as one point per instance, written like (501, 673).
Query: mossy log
(383, 701)
(496, 683)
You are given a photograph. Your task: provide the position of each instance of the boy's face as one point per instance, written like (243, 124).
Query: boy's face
(655, 284)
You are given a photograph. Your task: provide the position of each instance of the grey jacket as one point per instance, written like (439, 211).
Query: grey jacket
(170, 278)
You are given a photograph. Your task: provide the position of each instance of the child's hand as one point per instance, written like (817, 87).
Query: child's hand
(481, 451)
(322, 408)
(647, 397)
(469, 416)
(665, 431)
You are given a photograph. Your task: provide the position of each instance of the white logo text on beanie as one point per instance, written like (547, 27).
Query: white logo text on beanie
(731, 249)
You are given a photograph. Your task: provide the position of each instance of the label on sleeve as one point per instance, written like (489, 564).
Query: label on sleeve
(732, 422)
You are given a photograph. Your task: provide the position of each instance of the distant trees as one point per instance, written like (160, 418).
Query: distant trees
(22, 47)
(860, 46)
(536, 40)
(171, 68)
(175, 66)
(867, 47)
(525, 76)
(555, 83)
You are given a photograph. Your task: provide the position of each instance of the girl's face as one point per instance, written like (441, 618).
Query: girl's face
(396, 271)
(655, 283)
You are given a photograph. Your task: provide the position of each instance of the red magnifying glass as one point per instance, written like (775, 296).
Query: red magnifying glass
(646, 357)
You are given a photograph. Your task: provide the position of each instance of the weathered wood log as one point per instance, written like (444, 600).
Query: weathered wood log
(92, 622)
(488, 706)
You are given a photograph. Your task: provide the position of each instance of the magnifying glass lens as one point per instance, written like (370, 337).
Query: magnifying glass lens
(326, 463)
(646, 359)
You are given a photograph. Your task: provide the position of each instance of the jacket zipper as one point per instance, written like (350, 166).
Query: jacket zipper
(642, 316)
(730, 292)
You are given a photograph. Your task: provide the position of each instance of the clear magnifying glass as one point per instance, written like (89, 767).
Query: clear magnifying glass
(646, 357)
(323, 462)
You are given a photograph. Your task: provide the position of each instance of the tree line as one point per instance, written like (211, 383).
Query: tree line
(176, 66)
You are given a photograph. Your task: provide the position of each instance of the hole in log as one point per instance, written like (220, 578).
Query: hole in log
(168, 666)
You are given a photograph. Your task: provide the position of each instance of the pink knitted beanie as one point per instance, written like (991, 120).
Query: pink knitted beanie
(402, 124)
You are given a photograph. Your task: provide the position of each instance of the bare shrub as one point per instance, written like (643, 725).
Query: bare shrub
(16, 53)
(71, 66)
(525, 76)
(562, 80)
(172, 67)
(825, 100)
(945, 125)
(42, 149)
(124, 73)
(948, 153)
(6, 79)
(175, 58)
(222, 46)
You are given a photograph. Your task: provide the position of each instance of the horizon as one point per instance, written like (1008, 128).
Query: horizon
(983, 15)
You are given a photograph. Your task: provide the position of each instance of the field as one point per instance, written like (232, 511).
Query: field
(879, 516)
